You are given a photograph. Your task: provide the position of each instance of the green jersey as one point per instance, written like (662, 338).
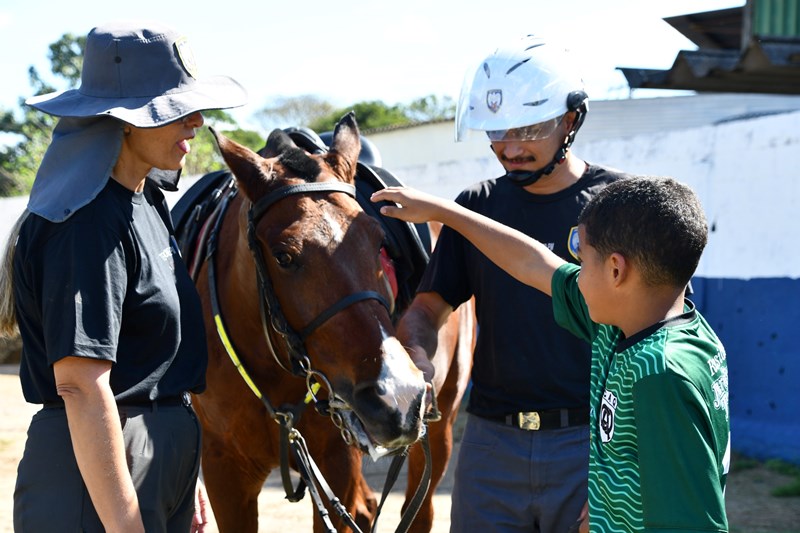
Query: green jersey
(660, 434)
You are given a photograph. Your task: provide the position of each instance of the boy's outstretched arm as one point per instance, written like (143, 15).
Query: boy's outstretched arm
(526, 259)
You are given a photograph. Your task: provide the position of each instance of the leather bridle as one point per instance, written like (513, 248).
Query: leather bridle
(270, 307)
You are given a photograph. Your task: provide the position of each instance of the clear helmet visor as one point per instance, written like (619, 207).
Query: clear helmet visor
(534, 132)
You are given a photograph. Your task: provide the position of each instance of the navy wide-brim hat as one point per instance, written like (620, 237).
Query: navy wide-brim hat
(143, 74)
(140, 73)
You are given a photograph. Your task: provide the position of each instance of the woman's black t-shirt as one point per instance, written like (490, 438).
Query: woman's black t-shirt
(108, 283)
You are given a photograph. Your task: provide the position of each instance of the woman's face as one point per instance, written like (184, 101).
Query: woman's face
(164, 147)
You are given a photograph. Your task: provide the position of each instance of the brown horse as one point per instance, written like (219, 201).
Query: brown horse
(294, 252)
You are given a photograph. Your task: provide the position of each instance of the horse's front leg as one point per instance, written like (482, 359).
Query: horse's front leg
(233, 488)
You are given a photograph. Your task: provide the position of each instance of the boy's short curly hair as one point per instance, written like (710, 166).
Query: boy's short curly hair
(657, 222)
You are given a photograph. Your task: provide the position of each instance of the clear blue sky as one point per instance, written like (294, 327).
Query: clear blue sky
(347, 51)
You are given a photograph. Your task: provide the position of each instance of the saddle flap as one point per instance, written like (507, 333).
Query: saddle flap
(408, 244)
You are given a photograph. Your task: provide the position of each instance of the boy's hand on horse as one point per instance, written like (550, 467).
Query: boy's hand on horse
(412, 205)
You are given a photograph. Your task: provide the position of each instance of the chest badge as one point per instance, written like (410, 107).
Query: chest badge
(572, 242)
(608, 409)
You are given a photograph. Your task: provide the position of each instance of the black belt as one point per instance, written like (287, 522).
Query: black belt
(544, 420)
(184, 399)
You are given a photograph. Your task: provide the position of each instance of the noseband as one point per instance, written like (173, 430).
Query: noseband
(269, 305)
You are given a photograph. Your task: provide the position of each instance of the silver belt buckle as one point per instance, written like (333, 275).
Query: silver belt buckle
(529, 421)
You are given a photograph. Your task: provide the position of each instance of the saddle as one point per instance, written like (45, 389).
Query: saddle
(407, 245)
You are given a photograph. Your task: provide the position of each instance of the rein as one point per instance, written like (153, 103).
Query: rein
(300, 365)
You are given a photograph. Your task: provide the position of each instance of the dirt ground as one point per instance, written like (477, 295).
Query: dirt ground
(751, 509)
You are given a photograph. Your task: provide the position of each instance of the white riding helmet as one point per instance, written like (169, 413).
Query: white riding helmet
(529, 82)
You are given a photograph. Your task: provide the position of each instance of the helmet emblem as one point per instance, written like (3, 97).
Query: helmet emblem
(494, 99)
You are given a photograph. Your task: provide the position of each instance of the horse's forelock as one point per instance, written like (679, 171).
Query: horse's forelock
(298, 162)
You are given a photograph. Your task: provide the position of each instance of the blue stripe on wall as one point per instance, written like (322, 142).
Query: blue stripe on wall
(758, 321)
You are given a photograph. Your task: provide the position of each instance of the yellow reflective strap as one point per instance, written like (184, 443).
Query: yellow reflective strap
(310, 394)
(223, 336)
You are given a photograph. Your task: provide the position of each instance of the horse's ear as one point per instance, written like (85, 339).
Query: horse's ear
(248, 167)
(277, 143)
(345, 146)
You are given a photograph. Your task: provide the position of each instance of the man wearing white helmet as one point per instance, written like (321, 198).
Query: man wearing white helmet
(523, 462)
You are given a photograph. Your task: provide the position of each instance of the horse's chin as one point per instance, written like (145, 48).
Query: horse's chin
(364, 442)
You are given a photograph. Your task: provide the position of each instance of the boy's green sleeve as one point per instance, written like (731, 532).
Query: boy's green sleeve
(569, 307)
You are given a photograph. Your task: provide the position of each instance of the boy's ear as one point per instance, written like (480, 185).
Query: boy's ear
(619, 268)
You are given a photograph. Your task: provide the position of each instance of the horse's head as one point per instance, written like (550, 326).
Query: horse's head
(318, 257)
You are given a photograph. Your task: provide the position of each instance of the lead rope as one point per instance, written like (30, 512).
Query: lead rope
(419, 495)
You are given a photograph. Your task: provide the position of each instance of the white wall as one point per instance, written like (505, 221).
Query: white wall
(745, 173)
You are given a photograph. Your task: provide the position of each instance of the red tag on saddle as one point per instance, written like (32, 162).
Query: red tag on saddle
(388, 270)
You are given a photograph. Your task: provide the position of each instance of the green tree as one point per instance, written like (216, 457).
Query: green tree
(66, 58)
(288, 111)
(18, 162)
(320, 116)
(204, 156)
(431, 107)
(370, 115)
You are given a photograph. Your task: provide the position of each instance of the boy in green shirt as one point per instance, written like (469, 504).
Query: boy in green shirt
(660, 441)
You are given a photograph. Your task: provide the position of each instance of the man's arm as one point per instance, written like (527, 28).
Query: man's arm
(419, 327)
(96, 435)
(522, 257)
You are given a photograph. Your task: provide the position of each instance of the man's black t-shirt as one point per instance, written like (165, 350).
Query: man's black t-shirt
(108, 284)
(523, 360)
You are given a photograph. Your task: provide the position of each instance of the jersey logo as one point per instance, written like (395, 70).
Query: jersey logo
(717, 365)
(608, 409)
(572, 242)
(494, 99)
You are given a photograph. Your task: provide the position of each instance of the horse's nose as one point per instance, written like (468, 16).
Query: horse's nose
(392, 417)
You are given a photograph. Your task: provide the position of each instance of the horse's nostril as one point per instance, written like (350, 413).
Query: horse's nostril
(369, 392)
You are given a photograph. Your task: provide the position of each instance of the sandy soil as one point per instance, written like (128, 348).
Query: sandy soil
(750, 507)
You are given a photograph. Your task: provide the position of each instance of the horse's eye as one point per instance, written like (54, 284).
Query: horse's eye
(284, 259)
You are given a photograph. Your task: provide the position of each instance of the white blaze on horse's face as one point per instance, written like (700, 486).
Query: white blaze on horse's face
(334, 229)
(400, 382)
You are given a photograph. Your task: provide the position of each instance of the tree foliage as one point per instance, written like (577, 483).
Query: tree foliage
(293, 111)
(320, 116)
(18, 162)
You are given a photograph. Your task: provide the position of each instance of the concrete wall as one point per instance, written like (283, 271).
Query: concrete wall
(747, 284)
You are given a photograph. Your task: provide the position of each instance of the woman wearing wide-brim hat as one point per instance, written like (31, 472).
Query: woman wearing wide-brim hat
(112, 332)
